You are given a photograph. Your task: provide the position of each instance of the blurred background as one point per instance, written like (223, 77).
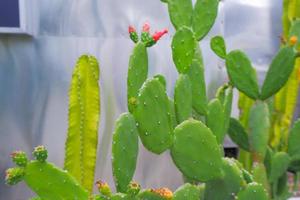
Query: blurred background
(35, 72)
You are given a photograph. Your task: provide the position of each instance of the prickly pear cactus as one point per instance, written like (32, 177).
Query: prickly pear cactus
(180, 12)
(229, 185)
(196, 75)
(259, 125)
(277, 75)
(204, 16)
(187, 191)
(216, 114)
(241, 73)
(156, 131)
(124, 151)
(45, 179)
(193, 141)
(183, 98)
(183, 48)
(253, 191)
(137, 74)
(238, 134)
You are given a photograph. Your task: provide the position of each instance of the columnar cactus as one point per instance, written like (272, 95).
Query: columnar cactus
(189, 125)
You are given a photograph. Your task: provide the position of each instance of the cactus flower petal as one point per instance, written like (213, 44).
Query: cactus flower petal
(159, 34)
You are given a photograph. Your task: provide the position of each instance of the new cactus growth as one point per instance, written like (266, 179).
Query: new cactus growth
(190, 126)
(20, 158)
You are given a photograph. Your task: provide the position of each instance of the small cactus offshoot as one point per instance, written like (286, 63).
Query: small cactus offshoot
(14, 175)
(19, 158)
(103, 188)
(40, 153)
(133, 188)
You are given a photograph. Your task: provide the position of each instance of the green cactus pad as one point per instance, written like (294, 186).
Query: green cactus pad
(153, 116)
(227, 187)
(193, 141)
(161, 79)
(293, 140)
(187, 191)
(241, 73)
(217, 44)
(253, 191)
(124, 151)
(295, 164)
(183, 98)
(283, 186)
(196, 74)
(280, 164)
(227, 104)
(137, 73)
(277, 75)
(259, 124)
(149, 195)
(215, 119)
(172, 112)
(121, 196)
(49, 182)
(180, 12)
(84, 114)
(204, 16)
(238, 134)
(260, 175)
(183, 49)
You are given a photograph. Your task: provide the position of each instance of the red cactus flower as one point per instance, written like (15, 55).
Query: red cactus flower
(159, 34)
(131, 29)
(146, 27)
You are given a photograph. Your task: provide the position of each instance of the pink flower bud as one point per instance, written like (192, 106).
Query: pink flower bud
(158, 35)
(131, 29)
(146, 27)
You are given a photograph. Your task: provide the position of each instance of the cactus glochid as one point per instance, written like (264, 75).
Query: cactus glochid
(190, 126)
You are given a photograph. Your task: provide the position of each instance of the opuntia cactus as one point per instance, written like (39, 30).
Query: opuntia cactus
(190, 126)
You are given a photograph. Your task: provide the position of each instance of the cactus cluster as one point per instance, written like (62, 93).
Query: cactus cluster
(188, 125)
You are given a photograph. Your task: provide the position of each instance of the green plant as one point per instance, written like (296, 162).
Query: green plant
(189, 125)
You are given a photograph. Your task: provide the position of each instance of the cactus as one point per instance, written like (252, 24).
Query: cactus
(187, 191)
(238, 134)
(124, 151)
(259, 125)
(46, 180)
(189, 126)
(183, 98)
(216, 113)
(137, 74)
(217, 44)
(183, 48)
(155, 130)
(196, 75)
(253, 191)
(84, 111)
(180, 12)
(227, 187)
(19, 158)
(193, 161)
(204, 16)
(293, 142)
(277, 75)
(241, 73)
(279, 166)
